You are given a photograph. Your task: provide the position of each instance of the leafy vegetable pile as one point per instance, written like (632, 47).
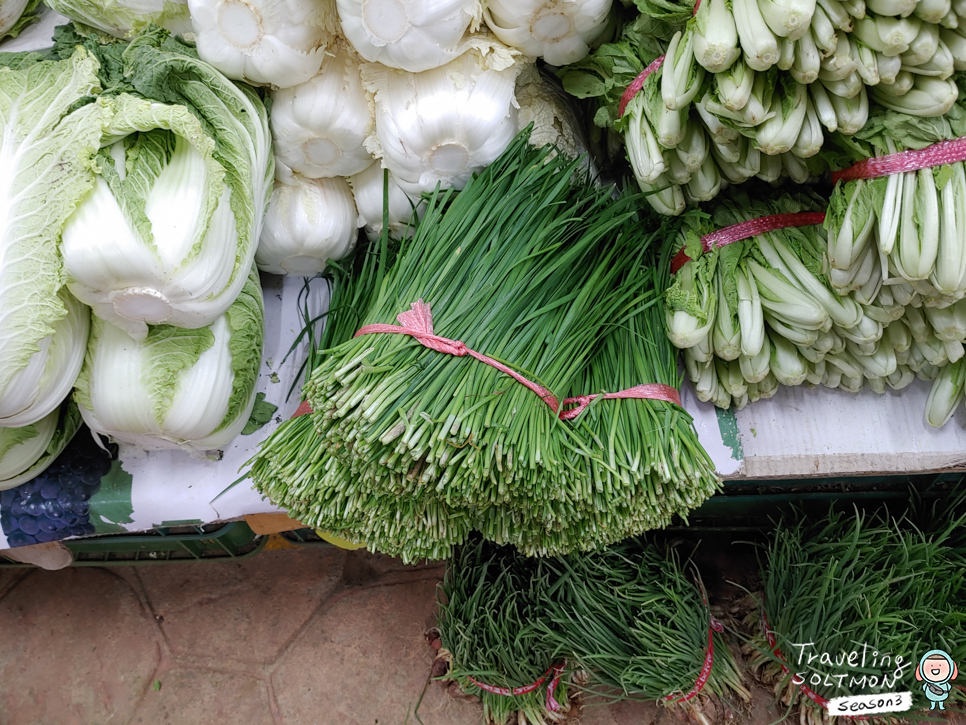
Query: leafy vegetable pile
(409, 449)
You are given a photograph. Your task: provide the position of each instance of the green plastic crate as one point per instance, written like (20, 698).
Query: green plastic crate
(165, 545)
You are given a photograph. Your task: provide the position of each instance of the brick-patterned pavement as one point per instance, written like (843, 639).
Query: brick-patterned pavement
(309, 636)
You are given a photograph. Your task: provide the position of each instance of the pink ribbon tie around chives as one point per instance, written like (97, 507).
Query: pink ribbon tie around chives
(552, 704)
(417, 322)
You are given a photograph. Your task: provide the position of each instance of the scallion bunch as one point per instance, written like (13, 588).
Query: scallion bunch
(863, 582)
(409, 449)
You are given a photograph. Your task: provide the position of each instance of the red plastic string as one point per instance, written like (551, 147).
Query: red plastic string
(304, 409)
(705, 673)
(736, 232)
(809, 692)
(552, 704)
(944, 152)
(636, 85)
(417, 322)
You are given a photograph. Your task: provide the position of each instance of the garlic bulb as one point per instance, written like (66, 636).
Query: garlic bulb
(413, 35)
(559, 31)
(368, 190)
(320, 126)
(309, 222)
(276, 43)
(442, 125)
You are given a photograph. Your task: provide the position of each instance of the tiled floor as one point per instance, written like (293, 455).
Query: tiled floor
(307, 636)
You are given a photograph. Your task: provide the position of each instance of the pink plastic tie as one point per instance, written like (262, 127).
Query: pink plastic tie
(552, 704)
(943, 152)
(752, 228)
(637, 84)
(417, 322)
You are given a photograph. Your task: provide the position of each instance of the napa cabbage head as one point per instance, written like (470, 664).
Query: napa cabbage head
(168, 231)
(126, 18)
(46, 143)
(176, 388)
(27, 452)
(443, 125)
(15, 15)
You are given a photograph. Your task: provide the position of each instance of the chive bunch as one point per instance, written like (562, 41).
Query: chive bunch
(409, 449)
(854, 579)
(491, 607)
(628, 621)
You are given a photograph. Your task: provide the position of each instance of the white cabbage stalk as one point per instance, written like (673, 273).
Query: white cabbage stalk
(677, 171)
(855, 8)
(368, 188)
(928, 97)
(866, 64)
(719, 132)
(949, 274)
(43, 174)
(681, 76)
(320, 127)
(278, 43)
(755, 368)
(810, 137)
(705, 183)
(780, 132)
(442, 125)
(770, 169)
(808, 60)
(902, 84)
(823, 107)
(559, 31)
(848, 87)
(923, 46)
(945, 395)
(837, 14)
(932, 11)
(716, 44)
(734, 86)
(851, 113)
(786, 53)
(759, 45)
(942, 64)
(412, 35)
(888, 67)
(788, 18)
(126, 18)
(28, 451)
(957, 47)
(664, 196)
(189, 389)
(796, 168)
(902, 8)
(170, 229)
(694, 148)
(643, 150)
(308, 223)
(823, 32)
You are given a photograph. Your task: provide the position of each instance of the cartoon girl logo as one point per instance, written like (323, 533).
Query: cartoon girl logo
(935, 670)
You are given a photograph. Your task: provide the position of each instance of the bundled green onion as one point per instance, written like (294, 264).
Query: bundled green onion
(636, 623)
(491, 607)
(410, 449)
(624, 622)
(863, 583)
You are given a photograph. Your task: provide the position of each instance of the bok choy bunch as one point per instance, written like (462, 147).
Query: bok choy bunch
(914, 220)
(181, 183)
(762, 312)
(176, 388)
